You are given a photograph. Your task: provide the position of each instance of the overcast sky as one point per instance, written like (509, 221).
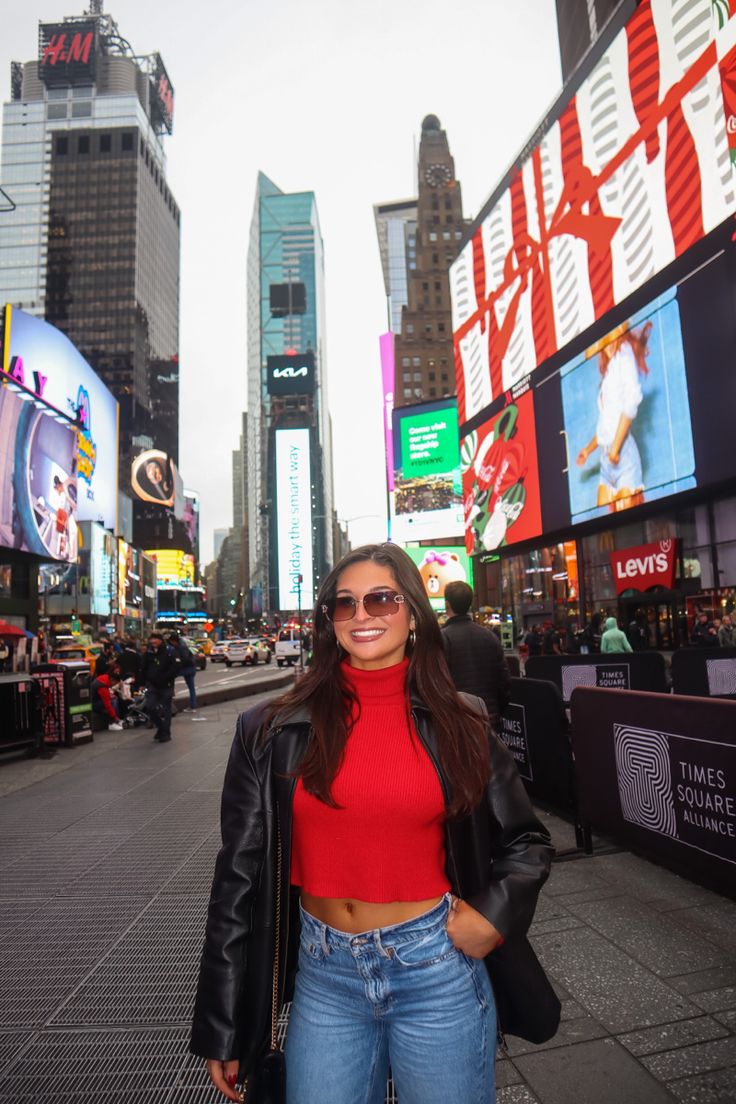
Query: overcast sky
(325, 96)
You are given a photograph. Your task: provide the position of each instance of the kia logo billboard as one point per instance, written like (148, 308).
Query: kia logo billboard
(645, 566)
(291, 375)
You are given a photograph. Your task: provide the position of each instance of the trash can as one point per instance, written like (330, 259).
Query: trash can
(20, 709)
(65, 688)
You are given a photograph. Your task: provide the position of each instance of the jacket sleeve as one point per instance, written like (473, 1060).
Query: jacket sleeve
(104, 694)
(522, 850)
(503, 680)
(215, 1030)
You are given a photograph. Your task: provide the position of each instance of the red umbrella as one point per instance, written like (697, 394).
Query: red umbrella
(10, 630)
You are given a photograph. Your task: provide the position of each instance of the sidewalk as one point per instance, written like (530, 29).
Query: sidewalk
(106, 857)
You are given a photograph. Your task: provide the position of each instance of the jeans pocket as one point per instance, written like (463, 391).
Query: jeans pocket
(311, 950)
(425, 950)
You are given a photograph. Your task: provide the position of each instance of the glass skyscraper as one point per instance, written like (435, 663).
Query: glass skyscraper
(286, 320)
(396, 227)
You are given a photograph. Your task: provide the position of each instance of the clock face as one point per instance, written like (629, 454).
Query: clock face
(437, 175)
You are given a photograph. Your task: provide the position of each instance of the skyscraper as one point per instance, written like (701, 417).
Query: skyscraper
(289, 471)
(93, 243)
(396, 226)
(423, 348)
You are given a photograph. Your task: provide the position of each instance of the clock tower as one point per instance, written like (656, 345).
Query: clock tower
(424, 358)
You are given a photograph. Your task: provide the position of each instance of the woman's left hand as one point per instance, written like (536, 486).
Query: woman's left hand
(469, 931)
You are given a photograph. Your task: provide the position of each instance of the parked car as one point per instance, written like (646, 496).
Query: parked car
(248, 652)
(217, 655)
(290, 644)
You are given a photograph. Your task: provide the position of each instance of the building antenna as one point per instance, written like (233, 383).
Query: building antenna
(95, 7)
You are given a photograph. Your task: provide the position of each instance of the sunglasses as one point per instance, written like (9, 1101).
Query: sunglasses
(379, 603)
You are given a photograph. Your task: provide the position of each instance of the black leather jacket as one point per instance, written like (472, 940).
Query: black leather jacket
(497, 860)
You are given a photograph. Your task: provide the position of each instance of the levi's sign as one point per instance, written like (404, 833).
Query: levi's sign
(292, 374)
(646, 566)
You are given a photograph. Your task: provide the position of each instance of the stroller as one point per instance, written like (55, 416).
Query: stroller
(136, 715)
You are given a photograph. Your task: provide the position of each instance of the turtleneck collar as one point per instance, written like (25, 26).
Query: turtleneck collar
(387, 682)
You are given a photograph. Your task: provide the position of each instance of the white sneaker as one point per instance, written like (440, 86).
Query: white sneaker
(115, 727)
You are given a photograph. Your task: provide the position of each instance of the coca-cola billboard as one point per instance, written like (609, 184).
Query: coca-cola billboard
(645, 566)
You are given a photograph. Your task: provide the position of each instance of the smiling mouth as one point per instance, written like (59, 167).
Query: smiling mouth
(366, 634)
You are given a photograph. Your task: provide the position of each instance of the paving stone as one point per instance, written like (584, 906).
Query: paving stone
(599, 1071)
(702, 980)
(669, 1036)
(728, 1019)
(718, 1087)
(571, 1031)
(690, 1060)
(651, 883)
(576, 877)
(506, 1074)
(614, 989)
(715, 921)
(516, 1094)
(717, 1000)
(654, 939)
(563, 923)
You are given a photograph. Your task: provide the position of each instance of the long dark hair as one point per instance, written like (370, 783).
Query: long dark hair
(462, 739)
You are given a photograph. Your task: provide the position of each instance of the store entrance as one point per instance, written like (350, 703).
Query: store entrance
(657, 613)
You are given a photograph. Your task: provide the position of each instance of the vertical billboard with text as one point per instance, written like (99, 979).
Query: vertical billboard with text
(41, 361)
(426, 503)
(629, 174)
(294, 519)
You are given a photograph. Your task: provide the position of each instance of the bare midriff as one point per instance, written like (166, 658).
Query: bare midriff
(350, 915)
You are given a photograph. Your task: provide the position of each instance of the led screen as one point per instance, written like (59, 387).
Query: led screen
(501, 499)
(42, 360)
(174, 567)
(155, 478)
(294, 519)
(627, 415)
(438, 566)
(631, 173)
(426, 503)
(38, 480)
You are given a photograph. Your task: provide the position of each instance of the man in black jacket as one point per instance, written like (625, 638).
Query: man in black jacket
(158, 671)
(474, 653)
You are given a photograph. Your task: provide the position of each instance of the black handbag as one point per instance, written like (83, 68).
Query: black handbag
(266, 1083)
(526, 1003)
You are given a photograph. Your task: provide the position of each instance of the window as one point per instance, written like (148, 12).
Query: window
(62, 146)
(417, 377)
(436, 219)
(425, 286)
(444, 377)
(417, 362)
(56, 111)
(105, 143)
(432, 376)
(441, 327)
(406, 362)
(437, 286)
(446, 235)
(83, 143)
(432, 392)
(410, 327)
(127, 142)
(81, 110)
(433, 235)
(435, 258)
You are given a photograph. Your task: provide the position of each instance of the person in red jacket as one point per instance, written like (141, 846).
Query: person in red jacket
(103, 703)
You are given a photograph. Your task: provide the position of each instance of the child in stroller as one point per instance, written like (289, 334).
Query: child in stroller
(136, 715)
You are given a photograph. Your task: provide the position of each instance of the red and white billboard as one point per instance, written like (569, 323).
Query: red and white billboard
(645, 566)
(637, 168)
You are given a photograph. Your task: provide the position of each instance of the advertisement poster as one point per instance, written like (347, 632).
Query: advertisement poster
(38, 481)
(427, 495)
(627, 415)
(154, 478)
(438, 566)
(294, 519)
(629, 174)
(43, 361)
(500, 479)
(174, 567)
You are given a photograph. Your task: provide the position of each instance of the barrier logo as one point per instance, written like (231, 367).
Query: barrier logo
(721, 677)
(609, 676)
(513, 734)
(678, 786)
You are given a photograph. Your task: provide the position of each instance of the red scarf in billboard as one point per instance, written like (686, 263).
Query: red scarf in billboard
(645, 566)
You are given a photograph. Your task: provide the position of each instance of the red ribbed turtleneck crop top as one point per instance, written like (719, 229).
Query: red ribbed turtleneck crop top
(386, 842)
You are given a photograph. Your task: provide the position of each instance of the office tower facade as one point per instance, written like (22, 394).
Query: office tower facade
(579, 23)
(396, 227)
(93, 243)
(424, 366)
(289, 486)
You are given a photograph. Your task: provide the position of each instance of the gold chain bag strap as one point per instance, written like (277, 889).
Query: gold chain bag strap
(267, 1083)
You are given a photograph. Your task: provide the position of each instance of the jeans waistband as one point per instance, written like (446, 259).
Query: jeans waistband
(392, 935)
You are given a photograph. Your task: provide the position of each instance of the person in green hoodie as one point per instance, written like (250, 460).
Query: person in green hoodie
(613, 639)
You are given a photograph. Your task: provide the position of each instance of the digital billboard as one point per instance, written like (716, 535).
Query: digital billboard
(294, 519)
(190, 522)
(438, 566)
(174, 567)
(290, 375)
(501, 500)
(630, 173)
(155, 478)
(426, 503)
(67, 52)
(38, 480)
(41, 361)
(162, 97)
(626, 415)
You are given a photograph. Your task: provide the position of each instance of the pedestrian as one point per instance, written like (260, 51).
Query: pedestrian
(474, 653)
(104, 705)
(704, 634)
(637, 633)
(389, 792)
(158, 671)
(130, 659)
(186, 667)
(534, 640)
(551, 642)
(105, 659)
(590, 638)
(727, 632)
(613, 640)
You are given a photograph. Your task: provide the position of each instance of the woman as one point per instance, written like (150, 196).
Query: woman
(622, 360)
(410, 840)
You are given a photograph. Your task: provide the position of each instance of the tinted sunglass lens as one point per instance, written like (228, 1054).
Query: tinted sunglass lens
(380, 603)
(344, 608)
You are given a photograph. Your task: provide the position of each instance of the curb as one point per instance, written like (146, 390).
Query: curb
(237, 690)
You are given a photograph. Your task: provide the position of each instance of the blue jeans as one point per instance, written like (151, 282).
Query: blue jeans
(400, 996)
(189, 675)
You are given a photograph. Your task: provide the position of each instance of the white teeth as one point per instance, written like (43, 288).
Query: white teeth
(366, 634)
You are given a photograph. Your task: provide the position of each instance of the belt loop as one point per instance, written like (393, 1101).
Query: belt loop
(323, 938)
